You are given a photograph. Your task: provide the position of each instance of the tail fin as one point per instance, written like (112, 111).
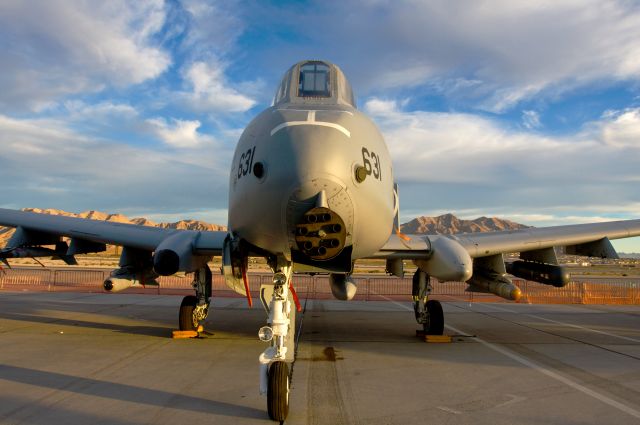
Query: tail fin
(396, 207)
(396, 220)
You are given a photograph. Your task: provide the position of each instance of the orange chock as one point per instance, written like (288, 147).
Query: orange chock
(185, 334)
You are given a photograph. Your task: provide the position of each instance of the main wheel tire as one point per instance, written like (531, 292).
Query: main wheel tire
(278, 391)
(185, 319)
(436, 318)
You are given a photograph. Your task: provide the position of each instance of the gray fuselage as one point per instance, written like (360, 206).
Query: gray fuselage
(304, 153)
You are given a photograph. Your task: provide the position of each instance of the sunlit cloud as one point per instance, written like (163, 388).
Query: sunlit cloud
(58, 48)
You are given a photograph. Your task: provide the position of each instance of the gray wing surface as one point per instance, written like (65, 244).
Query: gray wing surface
(131, 235)
(580, 236)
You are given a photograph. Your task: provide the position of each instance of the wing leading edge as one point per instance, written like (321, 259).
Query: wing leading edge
(43, 226)
(531, 239)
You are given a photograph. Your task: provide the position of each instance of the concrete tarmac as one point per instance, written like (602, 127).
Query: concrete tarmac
(68, 358)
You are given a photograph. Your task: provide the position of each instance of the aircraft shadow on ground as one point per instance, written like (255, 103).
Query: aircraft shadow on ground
(381, 332)
(219, 321)
(124, 392)
(25, 407)
(156, 331)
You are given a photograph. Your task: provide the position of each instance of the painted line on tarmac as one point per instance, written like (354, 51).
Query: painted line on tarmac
(626, 338)
(396, 302)
(550, 373)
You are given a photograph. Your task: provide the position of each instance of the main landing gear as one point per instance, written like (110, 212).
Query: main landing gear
(280, 333)
(428, 312)
(194, 309)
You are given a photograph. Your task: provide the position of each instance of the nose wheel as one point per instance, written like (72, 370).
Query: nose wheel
(278, 391)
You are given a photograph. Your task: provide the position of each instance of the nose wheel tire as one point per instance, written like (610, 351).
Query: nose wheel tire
(435, 324)
(278, 391)
(185, 319)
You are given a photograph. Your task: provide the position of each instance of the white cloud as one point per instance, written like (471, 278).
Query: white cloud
(620, 128)
(177, 133)
(213, 27)
(455, 161)
(531, 119)
(47, 163)
(380, 107)
(506, 51)
(101, 111)
(56, 48)
(211, 91)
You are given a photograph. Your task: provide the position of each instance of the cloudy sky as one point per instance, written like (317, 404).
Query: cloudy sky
(498, 108)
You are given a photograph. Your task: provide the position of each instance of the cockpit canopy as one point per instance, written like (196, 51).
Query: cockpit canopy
(314, 83)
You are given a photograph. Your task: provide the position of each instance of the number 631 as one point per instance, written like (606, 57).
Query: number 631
(371, 163)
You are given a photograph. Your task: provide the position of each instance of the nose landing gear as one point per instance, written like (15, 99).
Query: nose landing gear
(428, 312)
(280, 333)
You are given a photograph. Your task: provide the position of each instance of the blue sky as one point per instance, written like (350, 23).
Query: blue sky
(525, 111)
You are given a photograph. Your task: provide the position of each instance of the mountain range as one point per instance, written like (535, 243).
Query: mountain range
(443, 224)
(449, 224)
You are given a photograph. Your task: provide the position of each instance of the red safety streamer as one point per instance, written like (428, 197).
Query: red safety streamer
(295, 297)
(246, 287)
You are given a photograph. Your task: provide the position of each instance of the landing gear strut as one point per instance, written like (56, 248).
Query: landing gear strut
(194, 309)
(428, 312)
(279, 332)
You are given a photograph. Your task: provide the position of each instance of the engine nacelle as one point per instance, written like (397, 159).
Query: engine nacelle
(547, 274)
(449, 261)
(342, 286)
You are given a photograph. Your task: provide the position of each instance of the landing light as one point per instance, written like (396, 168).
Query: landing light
(279, 279)
(265, 334)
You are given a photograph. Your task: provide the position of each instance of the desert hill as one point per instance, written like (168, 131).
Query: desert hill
(6, 232)
(444, 224)
(449, 223)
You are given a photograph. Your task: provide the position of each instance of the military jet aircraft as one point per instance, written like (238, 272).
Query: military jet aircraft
(312, 190)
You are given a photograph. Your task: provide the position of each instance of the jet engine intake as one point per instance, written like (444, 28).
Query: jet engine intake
(321, 235)
(166, 262)
(547, 274)
(343, 286)
(175, 253)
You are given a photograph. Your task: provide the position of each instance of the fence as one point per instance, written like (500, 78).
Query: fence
(593, 291)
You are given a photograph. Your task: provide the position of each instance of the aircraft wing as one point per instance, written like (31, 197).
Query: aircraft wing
(582, 239)
(477, 258)
(42, 229)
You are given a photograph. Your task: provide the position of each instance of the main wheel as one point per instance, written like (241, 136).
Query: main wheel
(278, 391)
(435, 324)
(185, 318)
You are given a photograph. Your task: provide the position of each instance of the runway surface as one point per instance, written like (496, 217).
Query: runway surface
(109, 359)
